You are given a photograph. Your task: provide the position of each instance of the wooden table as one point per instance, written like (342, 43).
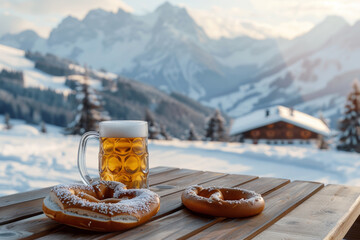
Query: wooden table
(294, 210)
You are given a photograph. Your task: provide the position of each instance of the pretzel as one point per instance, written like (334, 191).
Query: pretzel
(223, 202)
(102, 206)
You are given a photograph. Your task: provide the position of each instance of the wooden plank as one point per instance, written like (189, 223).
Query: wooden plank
(328, 214)
(20, 210)
(170, 203)
(41, 193)
(27, 227)
(204, 178)
(160, 169)
(168, 175)
(354, 232)
(184, 222)
(277, 204)
(27, 224)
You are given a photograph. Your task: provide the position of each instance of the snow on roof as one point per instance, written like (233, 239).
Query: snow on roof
(279, 113)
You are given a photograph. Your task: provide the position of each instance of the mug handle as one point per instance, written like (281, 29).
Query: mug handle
(85, 177)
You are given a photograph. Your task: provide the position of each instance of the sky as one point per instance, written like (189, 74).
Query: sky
(229, 18)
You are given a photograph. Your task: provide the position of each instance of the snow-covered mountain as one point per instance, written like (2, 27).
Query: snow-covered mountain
(169, 50)
(317, 81)
(165, 48)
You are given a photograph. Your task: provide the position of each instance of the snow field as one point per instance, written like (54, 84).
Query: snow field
(30, 159)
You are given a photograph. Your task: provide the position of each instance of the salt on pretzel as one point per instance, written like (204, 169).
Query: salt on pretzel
(102, 206)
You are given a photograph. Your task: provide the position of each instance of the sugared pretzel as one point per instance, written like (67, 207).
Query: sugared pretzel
(102, 206)
(223, 202)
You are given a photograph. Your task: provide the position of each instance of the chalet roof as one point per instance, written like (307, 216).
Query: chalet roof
(279, 113)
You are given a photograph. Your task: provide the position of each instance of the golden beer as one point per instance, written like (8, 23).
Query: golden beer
(124, 160)
(123, 155)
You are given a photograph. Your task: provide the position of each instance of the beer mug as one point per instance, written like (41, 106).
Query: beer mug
(123, 155)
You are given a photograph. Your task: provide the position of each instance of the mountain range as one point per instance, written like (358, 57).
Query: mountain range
(167, 49)
(37, 87)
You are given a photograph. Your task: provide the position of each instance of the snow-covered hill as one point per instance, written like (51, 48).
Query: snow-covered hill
(317, 81)
(14, 59)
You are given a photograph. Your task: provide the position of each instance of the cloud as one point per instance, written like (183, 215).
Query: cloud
(272, 18)
(43, 15)
(77, 8)
(13, 24)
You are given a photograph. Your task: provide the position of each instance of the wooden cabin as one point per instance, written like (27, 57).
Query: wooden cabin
(279, 125)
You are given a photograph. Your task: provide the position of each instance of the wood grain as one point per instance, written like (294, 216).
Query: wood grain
(328, 214)
(297, 210)
(354, 231)
(28, 204)
(28, 224)
(277, 204)
(184, 222)
(41, 193)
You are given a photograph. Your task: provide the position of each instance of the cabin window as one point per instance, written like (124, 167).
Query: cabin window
(255, 133)
(270, 133)
(289, 134)
(289, 126)
(305, 134)
(270, 126)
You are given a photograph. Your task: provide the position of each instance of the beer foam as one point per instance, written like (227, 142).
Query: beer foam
(123, 129)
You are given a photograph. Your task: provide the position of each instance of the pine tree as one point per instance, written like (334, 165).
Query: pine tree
(164, 133)
(43, 127)
(7, 122)
(154, 129)
(89, 111)
(349, 125)
(215, 130)
(192, 134)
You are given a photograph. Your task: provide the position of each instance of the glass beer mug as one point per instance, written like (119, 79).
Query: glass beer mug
(123, 155)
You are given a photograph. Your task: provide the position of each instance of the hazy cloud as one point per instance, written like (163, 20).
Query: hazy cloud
(271, 17)
(43, 15)
(13, 24)
(256, 18)
(77, 8)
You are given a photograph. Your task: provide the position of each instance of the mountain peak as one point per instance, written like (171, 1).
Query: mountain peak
(96, 13)
(169, 9)
(165, 6)
(69, 20)
(334, 19)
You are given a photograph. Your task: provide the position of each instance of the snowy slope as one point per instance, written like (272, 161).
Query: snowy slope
(30, 159)
(14, 59)
(317, 82)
